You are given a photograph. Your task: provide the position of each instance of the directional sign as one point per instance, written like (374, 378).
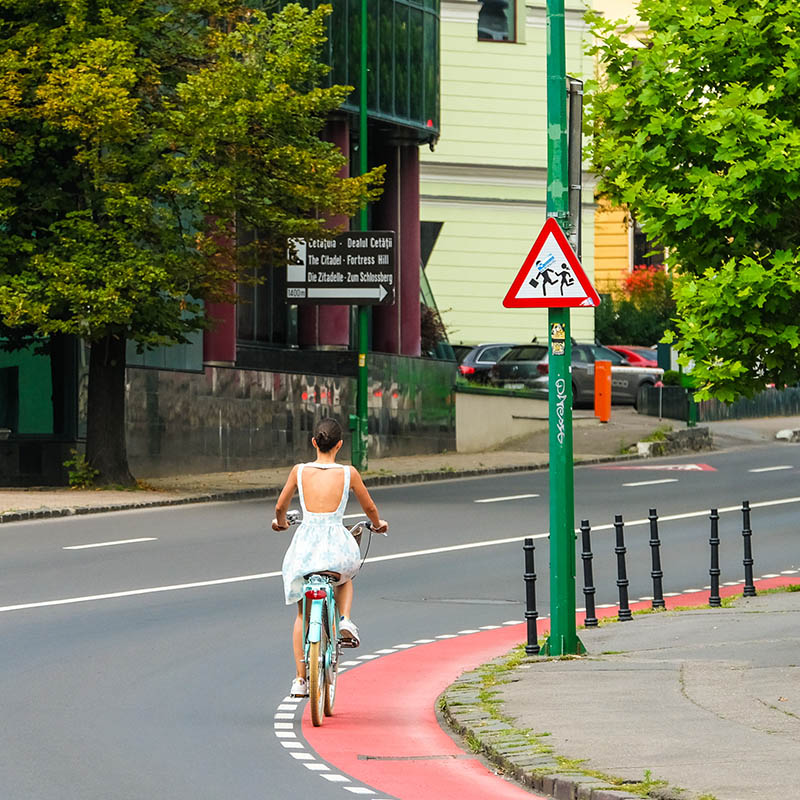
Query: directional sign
(348, 269)
(551, 275)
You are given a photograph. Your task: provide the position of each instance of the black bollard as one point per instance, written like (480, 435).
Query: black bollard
(531, 614)
(713, 598)
(655, 551)
(622, 575)
(590, 620)
(749, 586)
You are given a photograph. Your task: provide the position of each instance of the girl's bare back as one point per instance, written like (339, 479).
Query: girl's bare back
(322, 488)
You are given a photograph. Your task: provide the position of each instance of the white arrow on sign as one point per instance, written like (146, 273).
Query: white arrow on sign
(343, 293)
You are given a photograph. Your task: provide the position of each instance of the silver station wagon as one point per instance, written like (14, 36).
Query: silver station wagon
(526, 367)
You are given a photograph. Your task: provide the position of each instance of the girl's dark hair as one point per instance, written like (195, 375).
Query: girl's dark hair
(327, 433)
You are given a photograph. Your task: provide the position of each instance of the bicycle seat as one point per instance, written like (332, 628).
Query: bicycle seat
(334, 575)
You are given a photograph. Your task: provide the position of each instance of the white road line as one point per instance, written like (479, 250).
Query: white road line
(422, 641)
(771, 575)
(336, 778)
(502, 499)
(376, 559)
(283, 715)
(788, 572)
(292, 745)
(302, 756)
(651, 483)
(771, 469)
(470, 630)
(315, 767)
(135, 592)
(111, 544)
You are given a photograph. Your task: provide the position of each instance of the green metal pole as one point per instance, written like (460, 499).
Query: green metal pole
(362, 386)
(563, 638)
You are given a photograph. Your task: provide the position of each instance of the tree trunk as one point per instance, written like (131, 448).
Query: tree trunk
(105, 432)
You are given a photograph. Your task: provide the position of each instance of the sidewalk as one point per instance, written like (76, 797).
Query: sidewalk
(593, 441)
(704, 699)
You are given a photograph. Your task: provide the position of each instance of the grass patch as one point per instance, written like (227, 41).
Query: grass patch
(658, 435)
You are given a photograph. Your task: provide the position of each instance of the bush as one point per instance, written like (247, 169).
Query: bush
(638, 313)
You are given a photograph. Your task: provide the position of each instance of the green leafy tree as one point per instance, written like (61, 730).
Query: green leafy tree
(137, 139)
(696, 128)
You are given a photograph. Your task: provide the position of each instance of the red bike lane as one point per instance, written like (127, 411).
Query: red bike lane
(385, 732)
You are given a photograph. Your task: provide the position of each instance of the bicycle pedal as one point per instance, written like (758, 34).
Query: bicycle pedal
(349, 643)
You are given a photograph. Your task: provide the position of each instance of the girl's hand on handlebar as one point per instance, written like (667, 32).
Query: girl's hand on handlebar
(382, 527)
(276, 526)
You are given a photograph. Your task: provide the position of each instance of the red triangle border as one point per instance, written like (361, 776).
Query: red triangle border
(511, 300)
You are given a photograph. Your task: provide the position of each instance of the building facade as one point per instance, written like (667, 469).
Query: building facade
(483, 188)
(248, 393)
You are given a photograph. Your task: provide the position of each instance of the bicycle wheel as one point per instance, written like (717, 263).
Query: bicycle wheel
(316, 678)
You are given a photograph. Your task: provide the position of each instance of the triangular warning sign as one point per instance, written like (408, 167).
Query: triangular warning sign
(551, 276)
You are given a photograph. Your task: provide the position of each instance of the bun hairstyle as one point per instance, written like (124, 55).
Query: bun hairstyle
(327, 433)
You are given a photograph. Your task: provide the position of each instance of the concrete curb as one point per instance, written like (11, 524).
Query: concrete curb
(509, 749)
(270, 491)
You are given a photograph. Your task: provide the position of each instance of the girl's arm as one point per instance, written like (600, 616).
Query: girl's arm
(367, 503)
(282, 506)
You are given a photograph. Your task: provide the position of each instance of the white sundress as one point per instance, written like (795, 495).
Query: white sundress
(321, 543)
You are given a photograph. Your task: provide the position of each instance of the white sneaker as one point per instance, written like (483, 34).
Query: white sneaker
(349, 632)
(299, 688)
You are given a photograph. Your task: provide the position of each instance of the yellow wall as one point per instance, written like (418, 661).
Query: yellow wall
(612, 259)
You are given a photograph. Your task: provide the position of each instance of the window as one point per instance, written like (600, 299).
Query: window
(497, 21)
(491, 353)
(644, 251)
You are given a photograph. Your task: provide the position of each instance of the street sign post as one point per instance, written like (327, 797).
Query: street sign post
(552, 277)
(353, 268)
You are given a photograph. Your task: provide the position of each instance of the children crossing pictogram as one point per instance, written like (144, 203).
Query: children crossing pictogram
(551, 275)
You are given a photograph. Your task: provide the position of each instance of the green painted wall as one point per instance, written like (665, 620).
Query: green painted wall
(28, 376)
(486, 180)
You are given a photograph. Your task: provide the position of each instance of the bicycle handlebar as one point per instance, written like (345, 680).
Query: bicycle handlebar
(293, 517)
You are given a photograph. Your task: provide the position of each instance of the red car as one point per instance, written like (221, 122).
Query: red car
(636, 356)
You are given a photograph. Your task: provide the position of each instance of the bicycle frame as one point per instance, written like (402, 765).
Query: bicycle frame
(318, 590)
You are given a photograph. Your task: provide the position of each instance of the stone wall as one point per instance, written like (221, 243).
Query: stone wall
(227, 419)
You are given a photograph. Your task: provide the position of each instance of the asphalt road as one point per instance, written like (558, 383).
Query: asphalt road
(117, 680)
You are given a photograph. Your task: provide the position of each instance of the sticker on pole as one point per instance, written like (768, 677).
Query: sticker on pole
(551, 276)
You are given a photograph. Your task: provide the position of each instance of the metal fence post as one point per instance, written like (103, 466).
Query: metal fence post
(656, 574)
(622, 575)
(749, 585)
(531, 614)
(590, 619)
(714, 599)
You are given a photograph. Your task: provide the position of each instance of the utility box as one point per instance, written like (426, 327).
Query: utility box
(602, 390)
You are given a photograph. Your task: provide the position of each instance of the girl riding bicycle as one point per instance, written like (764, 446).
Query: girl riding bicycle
(322, 543)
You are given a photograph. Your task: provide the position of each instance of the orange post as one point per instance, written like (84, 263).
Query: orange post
(602, 390)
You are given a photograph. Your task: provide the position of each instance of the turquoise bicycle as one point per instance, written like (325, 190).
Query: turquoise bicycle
(322, 642)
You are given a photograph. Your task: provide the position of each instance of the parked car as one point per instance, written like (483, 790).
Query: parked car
(477, 361)
(527, 367)
(635, 355)
(519, 366)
